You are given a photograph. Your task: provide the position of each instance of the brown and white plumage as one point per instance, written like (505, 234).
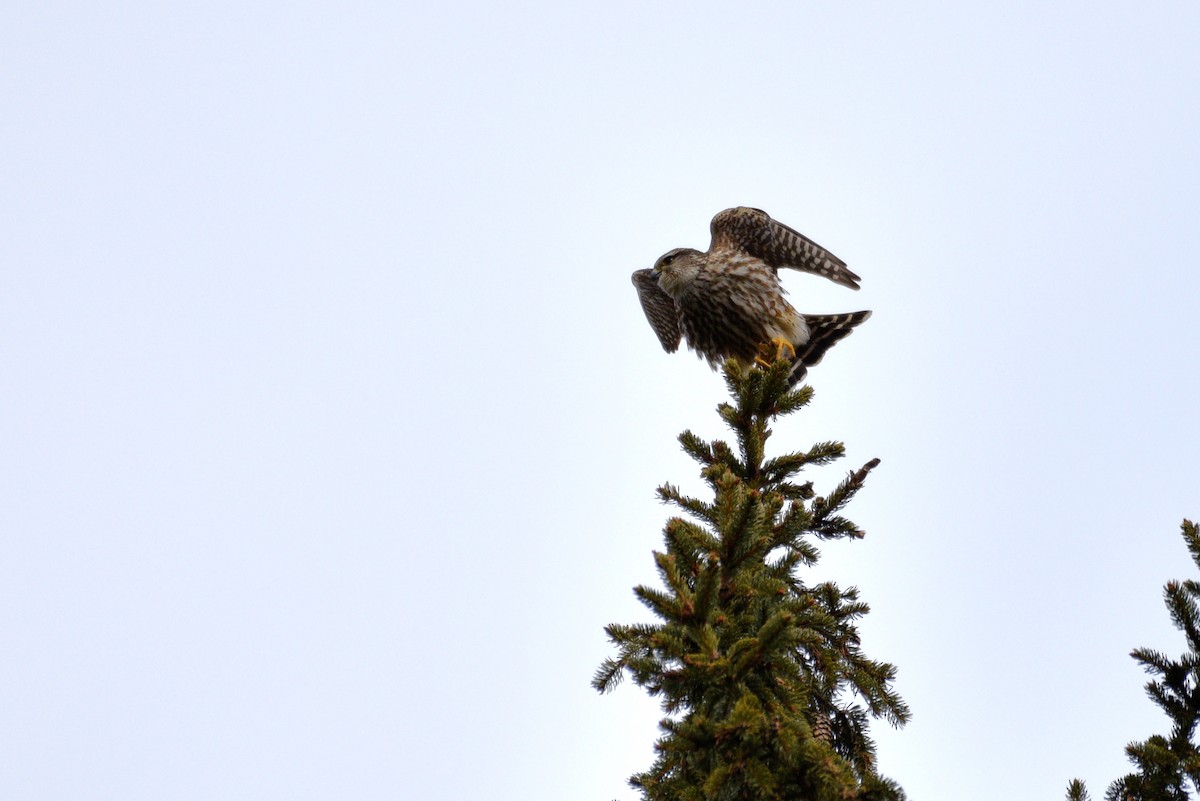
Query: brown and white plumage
(729, 301)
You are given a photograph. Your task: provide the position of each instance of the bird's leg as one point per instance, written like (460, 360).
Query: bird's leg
(781, 346)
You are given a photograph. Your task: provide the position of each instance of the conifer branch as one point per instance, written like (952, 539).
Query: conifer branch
(828, 525)
(695, 447)
(1076, 791)
(608, 675)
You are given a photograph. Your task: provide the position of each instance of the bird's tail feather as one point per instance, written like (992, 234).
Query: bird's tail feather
(824, 331)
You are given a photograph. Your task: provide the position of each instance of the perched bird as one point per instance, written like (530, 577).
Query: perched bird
(729, 302)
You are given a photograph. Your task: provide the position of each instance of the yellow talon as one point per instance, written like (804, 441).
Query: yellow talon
(781, 346)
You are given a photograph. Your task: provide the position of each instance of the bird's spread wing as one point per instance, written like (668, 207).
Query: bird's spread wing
(824, 330)
(659, 309)
(753, 231)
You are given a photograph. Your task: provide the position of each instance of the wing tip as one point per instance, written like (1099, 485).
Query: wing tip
(844, 276)
(659, 309)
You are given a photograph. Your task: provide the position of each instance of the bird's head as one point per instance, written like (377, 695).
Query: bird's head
(676, 268)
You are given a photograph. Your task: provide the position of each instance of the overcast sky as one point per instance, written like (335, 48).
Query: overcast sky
(331, 425)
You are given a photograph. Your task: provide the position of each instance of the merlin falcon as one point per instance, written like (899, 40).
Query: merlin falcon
(729, 302)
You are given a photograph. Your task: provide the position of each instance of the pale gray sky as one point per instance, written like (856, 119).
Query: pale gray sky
(331, 424)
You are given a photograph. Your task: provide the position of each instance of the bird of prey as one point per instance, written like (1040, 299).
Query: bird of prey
(729, 302)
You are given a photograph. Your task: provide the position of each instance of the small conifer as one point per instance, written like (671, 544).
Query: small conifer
(766, 690)
(1166, 765)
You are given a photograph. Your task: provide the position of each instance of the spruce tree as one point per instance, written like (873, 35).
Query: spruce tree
(766, 690)
(1077, 791)
(1164, 766)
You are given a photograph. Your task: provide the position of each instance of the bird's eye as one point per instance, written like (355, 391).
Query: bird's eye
(665, 260)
